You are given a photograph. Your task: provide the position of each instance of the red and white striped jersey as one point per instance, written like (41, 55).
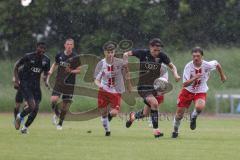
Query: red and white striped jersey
(111, 75)
(199, 85)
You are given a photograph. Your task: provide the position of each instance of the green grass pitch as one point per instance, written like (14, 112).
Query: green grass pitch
(214, 139)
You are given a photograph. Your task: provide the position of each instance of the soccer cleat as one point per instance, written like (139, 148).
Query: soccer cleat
(193, 123)
(174, 134)
(54, 120)
(59, 127)
(131, 119)
(24, 130)
(157, 133)
(108, 133)
(18, 122)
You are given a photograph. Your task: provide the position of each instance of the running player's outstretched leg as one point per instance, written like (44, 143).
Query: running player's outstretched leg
(18, 102)
(113, 113)
(199, 106)
(138, 115)
(152, 101)
(30, 119)
(55, 109)
(177, 121)
(153, 106)
(16, 110)
(64, 109)
(105, 120)
(106, 117)
(25, 112)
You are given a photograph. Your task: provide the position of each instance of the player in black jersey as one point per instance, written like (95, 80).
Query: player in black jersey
(150, 65)
(67, 64)
(28, 82)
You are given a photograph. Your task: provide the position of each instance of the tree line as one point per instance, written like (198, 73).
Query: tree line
(179, 23)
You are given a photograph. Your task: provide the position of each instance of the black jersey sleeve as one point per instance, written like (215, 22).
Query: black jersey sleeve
(46, 66)
(23, 60)
(57, 60)
(76, 62)
(165, 59)
(139, 53)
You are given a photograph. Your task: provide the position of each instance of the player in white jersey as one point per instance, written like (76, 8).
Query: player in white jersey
(109, 77)
(195, 76)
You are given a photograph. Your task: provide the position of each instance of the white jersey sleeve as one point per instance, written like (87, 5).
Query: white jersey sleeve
(187, 73)
(98, 71)
(164, 72)
(212, 64)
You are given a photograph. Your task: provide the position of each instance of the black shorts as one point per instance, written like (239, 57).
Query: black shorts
(31, 92)
(19, 97)
(145, 91)
(66, 91)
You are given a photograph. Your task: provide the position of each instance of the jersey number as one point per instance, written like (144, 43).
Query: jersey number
(198, 81)
(111, 81)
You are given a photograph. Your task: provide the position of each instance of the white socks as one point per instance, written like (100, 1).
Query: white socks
(105, 124)
(195, 113)
(176, 124)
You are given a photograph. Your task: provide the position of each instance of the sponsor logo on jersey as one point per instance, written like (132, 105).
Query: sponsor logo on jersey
(36, 70)
(151, 66)
(64, 64)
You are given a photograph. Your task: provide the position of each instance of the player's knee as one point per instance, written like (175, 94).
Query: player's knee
(54, 99)
(103, 112)
(179, 116)
(180, 113)
(31, 104)
(200, 104)
(154, 105)
(114, 112)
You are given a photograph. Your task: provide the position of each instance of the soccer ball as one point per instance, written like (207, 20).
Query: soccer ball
(162, 86)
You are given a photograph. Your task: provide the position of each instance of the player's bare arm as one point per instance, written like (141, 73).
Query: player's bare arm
(221, 73)
(15, 76)
(75, 71)
(45, 78)
(173, 68)
(190, 81)
(53, 68)
(126, 54)
(98, 83)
